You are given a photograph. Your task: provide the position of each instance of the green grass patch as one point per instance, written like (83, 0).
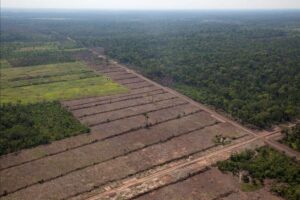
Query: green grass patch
(25, 126)
(46, 72)
(54, 82)
(97, 86)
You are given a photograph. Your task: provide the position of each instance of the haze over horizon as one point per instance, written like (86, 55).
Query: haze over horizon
(153, 4)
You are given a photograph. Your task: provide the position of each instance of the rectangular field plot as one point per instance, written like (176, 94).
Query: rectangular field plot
(40, 53)
(61, 81)
(16, 77)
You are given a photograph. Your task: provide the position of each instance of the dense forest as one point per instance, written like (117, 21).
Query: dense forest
(245, 63)
(265, 163)
(292, 137)
(24, 126)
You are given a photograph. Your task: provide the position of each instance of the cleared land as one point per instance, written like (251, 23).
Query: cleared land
(131, 135)
(54, 82)
(149, 143)
(209, 184)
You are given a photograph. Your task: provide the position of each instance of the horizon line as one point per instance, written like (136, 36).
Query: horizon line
(154, 9)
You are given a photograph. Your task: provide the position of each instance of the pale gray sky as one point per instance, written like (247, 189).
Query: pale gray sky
(152, 4)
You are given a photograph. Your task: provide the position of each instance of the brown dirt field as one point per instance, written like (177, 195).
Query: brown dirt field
(143, 91)
(122, 76)
(136, 82)
(137, 85)
(133, 86)
(118, 168)
(113, 100)
(138, 110)
(136, 122)
(210, 185)
(107, 67)
(262, 194)
(133, 80)
(116, 69)
(114, 73)
(98, 133)
(119, 105)
(94, 153)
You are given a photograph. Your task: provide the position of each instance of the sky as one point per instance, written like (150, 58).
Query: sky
(153, 4)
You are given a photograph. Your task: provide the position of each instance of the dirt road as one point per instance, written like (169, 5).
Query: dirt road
(204, 161)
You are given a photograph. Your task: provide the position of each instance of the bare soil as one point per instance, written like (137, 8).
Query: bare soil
(209, 185)
(131, 136)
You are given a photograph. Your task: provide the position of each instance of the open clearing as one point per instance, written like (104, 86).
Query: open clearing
(151, 134)
(202, 185)
(60, 81)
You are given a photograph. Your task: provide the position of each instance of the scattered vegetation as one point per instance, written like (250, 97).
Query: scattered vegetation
(254, 167)
(25, 126)
(292, 137)
(221, 140)
(251, 187)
